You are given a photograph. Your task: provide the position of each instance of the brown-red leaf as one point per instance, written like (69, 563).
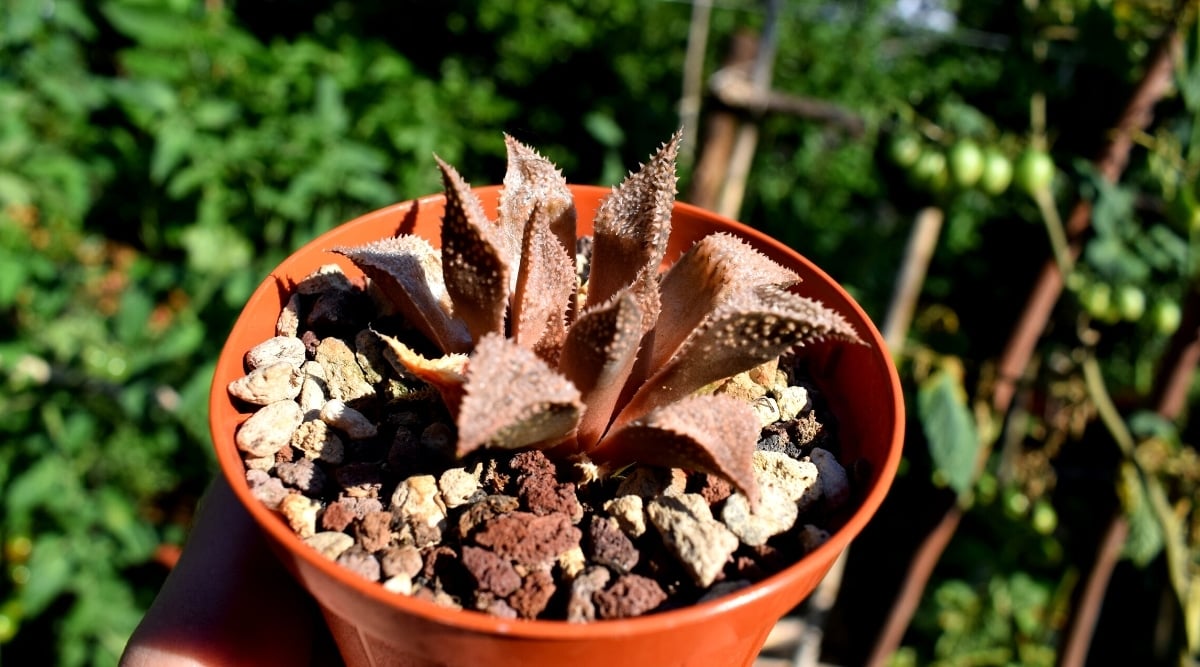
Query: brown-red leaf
(749, 328)
(513, 399)
(597, 358)
(716, 267)
(409, 272)
(709, 433)
(545, 290)
(532, 179)
(632, 225)
(474, 265)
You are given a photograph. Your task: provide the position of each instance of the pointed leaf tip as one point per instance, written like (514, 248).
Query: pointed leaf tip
(513, 399)
(474, 263)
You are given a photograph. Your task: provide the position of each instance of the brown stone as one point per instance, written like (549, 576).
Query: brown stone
(375, 531)
(608, 545)
(542, 494)
(491, 572)
(529, 539)
(630, 595)
(534, 594)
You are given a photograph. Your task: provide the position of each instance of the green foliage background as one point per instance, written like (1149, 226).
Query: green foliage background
(159, 157)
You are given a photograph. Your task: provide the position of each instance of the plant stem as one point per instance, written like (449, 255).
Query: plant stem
(922, 241)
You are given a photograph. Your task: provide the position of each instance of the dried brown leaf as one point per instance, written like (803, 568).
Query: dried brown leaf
(409, 271)
(708, 433)
(513, 399)
(445, 374)
(474, 266)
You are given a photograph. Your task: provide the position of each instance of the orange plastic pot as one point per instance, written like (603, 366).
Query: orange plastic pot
(375, 627)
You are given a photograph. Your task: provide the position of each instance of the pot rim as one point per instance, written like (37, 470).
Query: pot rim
(229, 365)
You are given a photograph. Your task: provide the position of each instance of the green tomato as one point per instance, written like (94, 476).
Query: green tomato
(1016, 504)
(930, 169)
(1035, 171)
(1166, 316)
(1096, 299)
(966, 163)
(997, 172)
(904, 149)
(1131, 302)
(1044, 518)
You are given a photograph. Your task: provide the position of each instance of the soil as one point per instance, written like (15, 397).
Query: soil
(357, 456)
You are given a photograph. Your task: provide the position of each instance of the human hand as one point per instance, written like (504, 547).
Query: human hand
(228, 601)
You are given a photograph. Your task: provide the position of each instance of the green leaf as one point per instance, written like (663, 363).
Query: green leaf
(214, 114)
(132, 315)
(135, 537)
(216, 250)
(14, 190)
(12, 276)
(604, 129)
(330, 110)
(152, 25)
(50, 568)
(33, 487)
(950, 429)
(1145, 540)
(170, 148)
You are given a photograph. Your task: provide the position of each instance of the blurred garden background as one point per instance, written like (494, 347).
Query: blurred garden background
(1009, 189)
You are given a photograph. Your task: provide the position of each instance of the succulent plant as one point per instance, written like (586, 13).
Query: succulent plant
(611, 368)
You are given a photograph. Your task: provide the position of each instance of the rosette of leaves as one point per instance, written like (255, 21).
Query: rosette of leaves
(612, 368)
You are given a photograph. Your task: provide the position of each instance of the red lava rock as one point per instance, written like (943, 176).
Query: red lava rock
(527, 538)
(714, 489)
(491, 572)
(337, 516)
(484, 510)
(542, 494)
(360, 562)
(534, 594)
(346, 509)
(630, 595)
(533, 462)
(285, 454)
(610, 546)
(303, 475)
(404, 560)
(375, 531)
